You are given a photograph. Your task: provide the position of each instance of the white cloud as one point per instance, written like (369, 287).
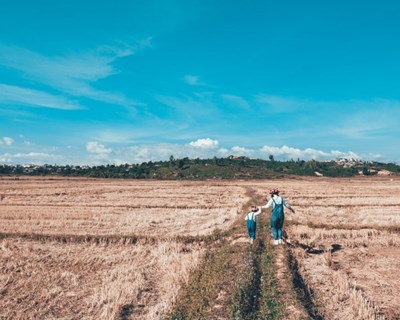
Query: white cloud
(157, 152)
(7, 140)
(164, 151)
(97, 148)
(193, 80)
(30, 97)
(287, 153)
(206, 143)
(240, 151)
(100, 154)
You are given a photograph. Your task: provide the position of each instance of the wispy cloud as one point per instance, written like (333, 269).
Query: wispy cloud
(190, 106)
(128, 134)
(71, 74)
(236, 101)
(30, 158)
(374, 119)
(207, 105)
(30, 97)
(124, 135)
(279, 104)
(193, 80)
(351, 119)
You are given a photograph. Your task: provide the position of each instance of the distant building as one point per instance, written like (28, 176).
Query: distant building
(236, 157)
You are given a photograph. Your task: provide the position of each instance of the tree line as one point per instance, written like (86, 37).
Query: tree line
(214, 168)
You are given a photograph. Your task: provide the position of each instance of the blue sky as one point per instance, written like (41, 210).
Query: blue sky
(97, 82)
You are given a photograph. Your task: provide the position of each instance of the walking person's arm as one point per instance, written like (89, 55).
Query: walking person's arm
(256, 213)
(268, 205)
(287, 205)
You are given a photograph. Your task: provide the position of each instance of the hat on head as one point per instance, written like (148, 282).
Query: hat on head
(273, 191)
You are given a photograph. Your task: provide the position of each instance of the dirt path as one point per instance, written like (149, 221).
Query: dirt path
(294, 293)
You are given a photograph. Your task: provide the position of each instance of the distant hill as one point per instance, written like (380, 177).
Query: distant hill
(232, 167)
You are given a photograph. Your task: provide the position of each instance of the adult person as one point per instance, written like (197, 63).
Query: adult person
(251, 222)
(277, 214)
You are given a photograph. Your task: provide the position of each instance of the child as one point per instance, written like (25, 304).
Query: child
(251, 222)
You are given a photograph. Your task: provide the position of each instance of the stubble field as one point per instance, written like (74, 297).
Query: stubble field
(103, 249)
(345, 242)
(124, 249)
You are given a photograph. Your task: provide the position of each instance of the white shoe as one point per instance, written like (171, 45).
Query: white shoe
(276, 242)
(280, 241)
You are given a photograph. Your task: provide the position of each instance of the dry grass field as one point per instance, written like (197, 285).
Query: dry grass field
(345, 239)
(43, 277)
(87, 281)
(117, 207)
(343, 242)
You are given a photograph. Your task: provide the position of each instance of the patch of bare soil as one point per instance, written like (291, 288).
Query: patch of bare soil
(239, 240)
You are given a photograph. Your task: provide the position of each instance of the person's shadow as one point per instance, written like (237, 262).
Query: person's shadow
(312, 250)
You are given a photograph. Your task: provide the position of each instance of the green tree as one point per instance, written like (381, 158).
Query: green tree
(171, 161)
